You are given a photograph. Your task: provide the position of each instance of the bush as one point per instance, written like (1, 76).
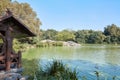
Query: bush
(48, 44)
(59, 44)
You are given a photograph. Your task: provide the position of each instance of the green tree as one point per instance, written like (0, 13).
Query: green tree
(49, 34)
(107, 39)
(89, 36)
(81, 36)
(65, 35)
(113, 32)
(96, 37)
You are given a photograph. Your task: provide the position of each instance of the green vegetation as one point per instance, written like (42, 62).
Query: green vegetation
(65, 35)
(56, 71)
(49, 34)
(48, 44)
(23, 11)
(110, 35)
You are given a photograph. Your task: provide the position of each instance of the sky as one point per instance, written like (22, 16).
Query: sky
(76, 14)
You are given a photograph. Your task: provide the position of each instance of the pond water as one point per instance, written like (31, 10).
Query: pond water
(86, 59)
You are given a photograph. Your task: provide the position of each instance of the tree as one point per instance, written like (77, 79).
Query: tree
(49, 34)
(81, 36)
(113, 33)
(96, 37)
(111, 30)
(107, 39)
(65, 35)
(3, 5)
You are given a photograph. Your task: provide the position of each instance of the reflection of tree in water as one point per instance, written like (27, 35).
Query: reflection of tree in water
(30, 67)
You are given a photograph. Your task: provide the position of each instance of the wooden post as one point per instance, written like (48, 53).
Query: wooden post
(8, 49)
(19, 65)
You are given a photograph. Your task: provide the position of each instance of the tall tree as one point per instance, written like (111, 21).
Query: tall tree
(3, 5)
(113, 33)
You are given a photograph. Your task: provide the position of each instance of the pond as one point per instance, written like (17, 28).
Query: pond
(86, 59)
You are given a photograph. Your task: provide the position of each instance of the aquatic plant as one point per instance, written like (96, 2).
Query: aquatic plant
(56, 71)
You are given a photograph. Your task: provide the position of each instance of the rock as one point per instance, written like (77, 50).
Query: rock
(24, 78)
(16, 70)
(71, 43)
(12, 76)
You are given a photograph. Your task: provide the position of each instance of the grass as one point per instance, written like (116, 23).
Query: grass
(56, 71)
(53, 71)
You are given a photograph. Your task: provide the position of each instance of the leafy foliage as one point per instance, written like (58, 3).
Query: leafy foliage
(96, 37)
(65, 35)
(110, 35)
(49, 34)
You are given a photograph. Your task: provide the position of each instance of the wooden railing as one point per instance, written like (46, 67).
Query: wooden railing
(15, 61)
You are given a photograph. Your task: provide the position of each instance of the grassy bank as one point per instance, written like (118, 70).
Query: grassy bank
(48, 44)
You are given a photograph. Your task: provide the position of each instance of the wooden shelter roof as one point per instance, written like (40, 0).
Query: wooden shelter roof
(19, 28)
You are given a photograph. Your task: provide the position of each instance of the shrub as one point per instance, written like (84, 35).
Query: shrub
(48, 44)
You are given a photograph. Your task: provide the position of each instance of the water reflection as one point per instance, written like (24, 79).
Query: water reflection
(113, 57)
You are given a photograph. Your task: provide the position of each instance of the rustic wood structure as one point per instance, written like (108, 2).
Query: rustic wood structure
(10, 28)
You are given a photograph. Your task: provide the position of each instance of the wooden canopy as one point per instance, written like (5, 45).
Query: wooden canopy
(18, 28)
